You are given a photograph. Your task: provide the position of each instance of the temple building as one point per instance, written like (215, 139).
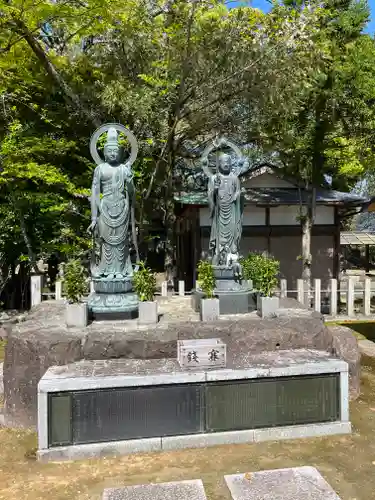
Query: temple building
(270, 223)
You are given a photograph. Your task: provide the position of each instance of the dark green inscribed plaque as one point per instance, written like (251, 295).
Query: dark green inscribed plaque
(251, 404)
(60, 419)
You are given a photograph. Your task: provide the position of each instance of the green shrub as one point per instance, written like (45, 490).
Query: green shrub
(269, 270)
(144, 282)
(74, 280)
(206, 278)
(251, 266)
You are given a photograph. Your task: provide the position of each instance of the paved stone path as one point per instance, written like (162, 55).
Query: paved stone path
(180, 490)
(297, 483)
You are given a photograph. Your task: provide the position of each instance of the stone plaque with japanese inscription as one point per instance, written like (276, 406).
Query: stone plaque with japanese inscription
(201, 353)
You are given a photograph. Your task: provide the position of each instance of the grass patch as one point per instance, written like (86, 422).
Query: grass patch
(347, 462)
(361, 329)
(2, 349)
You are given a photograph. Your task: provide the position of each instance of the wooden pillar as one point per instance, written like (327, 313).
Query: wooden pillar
(36, 290)
(300, 291)
(367, 257)
(283, 288)
(367, 297)
(350, 298)
(333, 298)
(58, 290)
(317, 295)
(336, 245)
(268, 226)
(197, 243)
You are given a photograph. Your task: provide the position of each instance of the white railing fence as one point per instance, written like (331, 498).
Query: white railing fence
(347, 297)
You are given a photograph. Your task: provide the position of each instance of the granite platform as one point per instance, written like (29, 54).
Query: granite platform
(112, 374)
(179, 490)
(297, 483)
(100, 374)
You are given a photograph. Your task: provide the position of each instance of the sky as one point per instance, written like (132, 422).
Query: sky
(265, 5)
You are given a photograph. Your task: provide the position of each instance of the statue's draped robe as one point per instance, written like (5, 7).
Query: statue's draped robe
(112, 191)
(226, 215)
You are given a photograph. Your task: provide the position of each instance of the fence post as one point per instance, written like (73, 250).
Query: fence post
(333, 298)
(317, 295)
(300, 291)
(36, 290)
(181, 288)
(283, 288)
(58, 290)
(164, 289)
(350, 298)
(367, 297)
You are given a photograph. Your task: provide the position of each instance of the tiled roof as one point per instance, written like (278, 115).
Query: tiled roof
(278, 196)
(357, 238)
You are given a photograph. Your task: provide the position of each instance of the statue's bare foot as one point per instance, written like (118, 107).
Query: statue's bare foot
(119, 275)
(111, 276)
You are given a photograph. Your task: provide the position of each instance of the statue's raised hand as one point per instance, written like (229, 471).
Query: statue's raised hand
(92, 226)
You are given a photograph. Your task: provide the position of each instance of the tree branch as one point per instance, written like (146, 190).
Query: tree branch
(70, 96)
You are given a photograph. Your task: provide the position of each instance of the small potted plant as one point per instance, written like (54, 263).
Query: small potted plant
(75, 288)
(268, 304)
(144, 282)
(251, 269)
(209, 310)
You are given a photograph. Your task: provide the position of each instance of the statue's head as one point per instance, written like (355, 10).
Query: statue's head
(112, 148)
(225, 163)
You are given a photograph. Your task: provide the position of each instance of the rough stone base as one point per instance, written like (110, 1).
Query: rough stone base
(345, 346)
(43, 341)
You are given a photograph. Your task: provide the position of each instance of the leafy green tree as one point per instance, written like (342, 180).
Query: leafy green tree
(323, 131)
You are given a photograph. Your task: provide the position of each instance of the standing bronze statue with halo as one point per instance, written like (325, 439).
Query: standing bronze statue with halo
(225, 203)
(112, 215)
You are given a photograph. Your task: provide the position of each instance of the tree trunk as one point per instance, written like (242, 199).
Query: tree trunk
(25, 235)
(170, 219)
(307, 223)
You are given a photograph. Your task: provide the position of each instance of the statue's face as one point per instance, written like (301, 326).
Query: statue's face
(225, 164)
(112, 154)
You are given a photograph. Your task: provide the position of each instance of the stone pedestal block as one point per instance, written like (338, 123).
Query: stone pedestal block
(210, 309)
(268, 306)
(76, 315)
(148, 312)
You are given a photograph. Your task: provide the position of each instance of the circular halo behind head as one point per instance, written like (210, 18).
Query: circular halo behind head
(215, 146)
(117, 127)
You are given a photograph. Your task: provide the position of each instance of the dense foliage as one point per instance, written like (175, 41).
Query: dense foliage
(298, 80)
(144, 282)
(206, 278)
(251, 268)
(75, 281)
(268, 276)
